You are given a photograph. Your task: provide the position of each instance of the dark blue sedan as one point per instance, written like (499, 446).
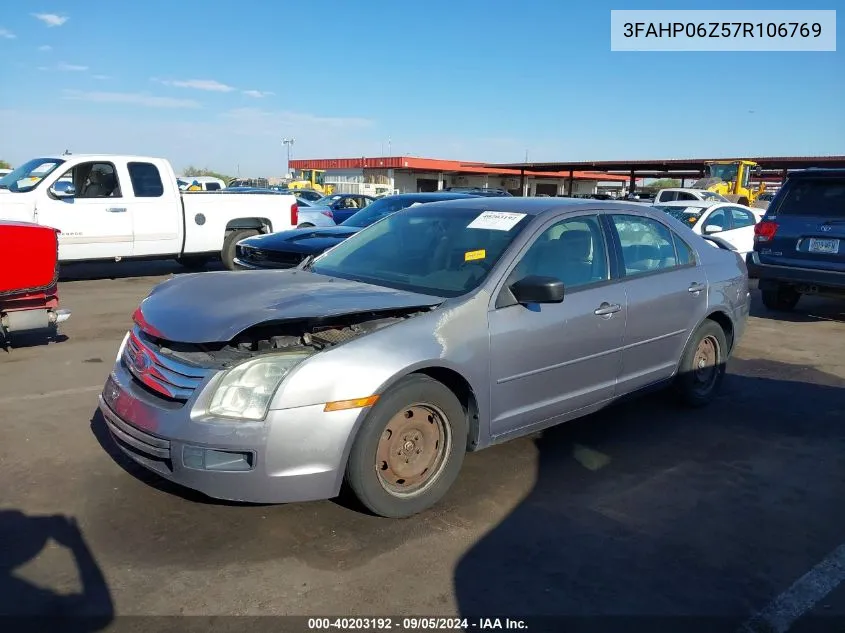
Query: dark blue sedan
(288, 249)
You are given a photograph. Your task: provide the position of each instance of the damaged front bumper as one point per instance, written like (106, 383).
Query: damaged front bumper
(292, 455)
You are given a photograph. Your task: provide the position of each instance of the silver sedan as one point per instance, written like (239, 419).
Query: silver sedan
(441, 329)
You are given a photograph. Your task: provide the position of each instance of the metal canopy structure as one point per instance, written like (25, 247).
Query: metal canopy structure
(772, 167)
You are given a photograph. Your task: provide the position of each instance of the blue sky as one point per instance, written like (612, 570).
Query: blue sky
(476, 80)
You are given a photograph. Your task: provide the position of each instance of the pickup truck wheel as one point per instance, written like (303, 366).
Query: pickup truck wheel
(228, 252)
(781, 298)
(702, 366)
(409, 449)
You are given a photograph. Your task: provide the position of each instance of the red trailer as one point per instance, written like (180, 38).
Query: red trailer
(29, 273)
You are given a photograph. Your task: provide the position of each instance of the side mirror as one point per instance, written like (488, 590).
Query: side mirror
(537, 289)
(758, 171)
(712, 228)
(63, 189)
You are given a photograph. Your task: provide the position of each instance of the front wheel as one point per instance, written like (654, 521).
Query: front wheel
(702, 366)
(228, 252)
(409, 450)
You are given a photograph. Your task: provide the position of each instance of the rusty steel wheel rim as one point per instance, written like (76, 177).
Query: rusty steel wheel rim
(412, 450)
(706, 364)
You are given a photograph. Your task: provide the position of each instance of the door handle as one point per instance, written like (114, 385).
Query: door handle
(116, 209)
(695, 287)
(607, 309)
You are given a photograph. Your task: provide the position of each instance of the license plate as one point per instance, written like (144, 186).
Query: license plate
(823, 246)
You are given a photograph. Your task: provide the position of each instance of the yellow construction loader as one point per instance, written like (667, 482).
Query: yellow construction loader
(732, 179)
(311, 179)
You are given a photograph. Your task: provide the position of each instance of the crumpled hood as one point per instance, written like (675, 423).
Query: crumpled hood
(216, 306)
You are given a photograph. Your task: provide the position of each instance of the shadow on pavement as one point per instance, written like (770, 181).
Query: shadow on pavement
(809, 310)
(86, 271)
(27, 606)
(649, 510)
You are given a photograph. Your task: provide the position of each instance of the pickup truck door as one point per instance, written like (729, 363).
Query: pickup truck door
(156, 210)
(97, 222)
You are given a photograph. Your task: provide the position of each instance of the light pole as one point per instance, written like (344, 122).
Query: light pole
(288, 142)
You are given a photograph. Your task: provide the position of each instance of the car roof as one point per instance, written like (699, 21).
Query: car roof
(434, 195)
(813, 172)
(693, 203)
(534, 206)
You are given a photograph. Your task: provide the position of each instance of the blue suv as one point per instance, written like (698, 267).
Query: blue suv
(799, 245)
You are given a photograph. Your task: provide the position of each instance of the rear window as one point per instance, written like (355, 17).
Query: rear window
(813, 196)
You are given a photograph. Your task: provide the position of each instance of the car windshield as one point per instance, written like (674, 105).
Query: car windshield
(326, 201)
(29, 175)
(726, 172)
(711, 195)
(376, 210)
(823, 197)
(687, 215)
(435, 250)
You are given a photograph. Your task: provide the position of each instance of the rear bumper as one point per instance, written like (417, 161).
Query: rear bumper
(31, 321)
(823, 279)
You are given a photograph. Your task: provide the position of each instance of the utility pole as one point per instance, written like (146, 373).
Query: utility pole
(388, 146)
(288, 142)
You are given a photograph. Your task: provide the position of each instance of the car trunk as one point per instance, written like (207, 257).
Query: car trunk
(810, 218)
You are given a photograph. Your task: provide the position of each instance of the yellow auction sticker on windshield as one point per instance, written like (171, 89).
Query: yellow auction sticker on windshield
(471, 256)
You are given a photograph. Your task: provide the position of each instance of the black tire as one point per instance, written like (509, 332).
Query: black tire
(193, 262)
(305, 225)
(700, 376)
(228, 252)
(368, 476)
(782, 298)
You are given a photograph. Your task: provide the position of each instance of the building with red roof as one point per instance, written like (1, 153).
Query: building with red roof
(403, 174)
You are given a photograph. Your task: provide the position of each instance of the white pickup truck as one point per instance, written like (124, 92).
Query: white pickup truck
(111, 207)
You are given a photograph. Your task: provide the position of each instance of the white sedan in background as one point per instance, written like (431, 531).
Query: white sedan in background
(734, 223)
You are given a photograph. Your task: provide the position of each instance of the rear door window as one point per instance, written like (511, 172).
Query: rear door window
(742, 218)
(823, 197)
(146, 181)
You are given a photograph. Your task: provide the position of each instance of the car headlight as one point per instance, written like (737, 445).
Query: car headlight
(245, 390)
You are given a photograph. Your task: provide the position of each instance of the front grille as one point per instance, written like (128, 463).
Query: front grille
(165, 376)
(272, 259)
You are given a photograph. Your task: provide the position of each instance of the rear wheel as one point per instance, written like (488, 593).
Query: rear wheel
(228, 252)
(781, 298)
(702, 366)
(409, 449)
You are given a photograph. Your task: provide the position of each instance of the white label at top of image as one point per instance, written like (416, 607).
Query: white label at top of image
(496, 221)
(744, 30)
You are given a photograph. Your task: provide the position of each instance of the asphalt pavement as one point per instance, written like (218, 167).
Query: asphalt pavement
(644, 510)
